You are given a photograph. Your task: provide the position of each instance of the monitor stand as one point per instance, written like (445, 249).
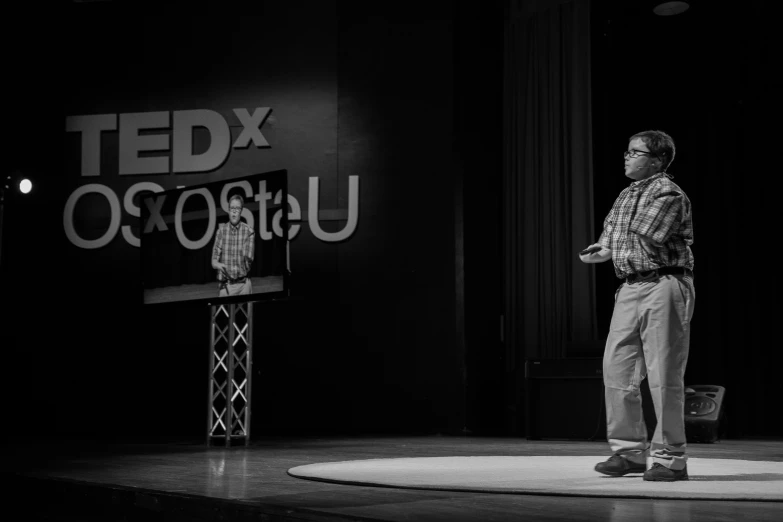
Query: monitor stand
(230, 372)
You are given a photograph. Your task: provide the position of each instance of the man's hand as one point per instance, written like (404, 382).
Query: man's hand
(592, 249)
(595, 254)
(222, 267)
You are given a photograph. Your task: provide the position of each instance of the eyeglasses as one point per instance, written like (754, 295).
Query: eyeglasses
(634, 153)
(235, 209)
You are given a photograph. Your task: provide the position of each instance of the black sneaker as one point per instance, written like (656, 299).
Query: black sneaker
(660, 473)
(617, 466)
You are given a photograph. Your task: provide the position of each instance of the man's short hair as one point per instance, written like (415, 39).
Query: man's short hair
(661, 146)
(237, 197)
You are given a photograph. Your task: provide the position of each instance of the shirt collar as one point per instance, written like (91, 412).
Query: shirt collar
(233, 227)
(645, 181)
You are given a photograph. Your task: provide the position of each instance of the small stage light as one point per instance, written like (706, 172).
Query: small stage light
(25, 186)
(670, 8)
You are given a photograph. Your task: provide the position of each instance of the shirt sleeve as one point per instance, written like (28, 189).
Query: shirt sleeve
(250, 249)
(217, 247)
(604, 239)
(661, 218)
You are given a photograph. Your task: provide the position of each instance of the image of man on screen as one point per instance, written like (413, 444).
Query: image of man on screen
(233, 251)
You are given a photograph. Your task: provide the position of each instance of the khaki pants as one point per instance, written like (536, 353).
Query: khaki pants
(236, 289)
(649, 335)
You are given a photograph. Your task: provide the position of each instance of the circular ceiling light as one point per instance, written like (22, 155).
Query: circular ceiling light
(670, 8)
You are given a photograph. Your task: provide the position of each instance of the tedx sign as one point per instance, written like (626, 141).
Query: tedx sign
(169, 136)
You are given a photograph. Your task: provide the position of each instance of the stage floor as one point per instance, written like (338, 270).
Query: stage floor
(186, 480)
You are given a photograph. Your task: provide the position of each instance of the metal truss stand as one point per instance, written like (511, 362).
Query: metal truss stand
(230, 369)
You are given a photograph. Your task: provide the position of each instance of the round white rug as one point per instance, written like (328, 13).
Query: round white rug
(717, 479)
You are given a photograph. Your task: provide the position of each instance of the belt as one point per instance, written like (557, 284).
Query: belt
(649, 274)
(233, 281)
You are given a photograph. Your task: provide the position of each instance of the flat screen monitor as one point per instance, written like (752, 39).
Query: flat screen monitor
(218, 243)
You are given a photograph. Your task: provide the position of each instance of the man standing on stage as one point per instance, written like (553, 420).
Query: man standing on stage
(233, 251)
(647, 235)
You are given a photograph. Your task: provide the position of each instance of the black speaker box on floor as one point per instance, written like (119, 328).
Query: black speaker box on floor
(704, 413)
(564, 399)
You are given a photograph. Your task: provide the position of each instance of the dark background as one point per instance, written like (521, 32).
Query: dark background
(395, 330)
(704, 77)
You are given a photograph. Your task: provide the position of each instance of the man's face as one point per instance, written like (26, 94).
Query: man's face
(639, 164)
(234, 211)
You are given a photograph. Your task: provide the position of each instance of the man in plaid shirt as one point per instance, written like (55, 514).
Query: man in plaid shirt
(647, 235)
(232, 253)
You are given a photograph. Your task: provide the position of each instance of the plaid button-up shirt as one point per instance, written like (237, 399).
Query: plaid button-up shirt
(234, 246)
(658, 209)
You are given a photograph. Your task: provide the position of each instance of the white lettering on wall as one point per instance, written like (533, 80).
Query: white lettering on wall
(156, 220)
(251, 127)
(131, 143)
(353, 212)
(134, 140)
(219, 145)
(114, 223)
(171, 137)
(91, 127)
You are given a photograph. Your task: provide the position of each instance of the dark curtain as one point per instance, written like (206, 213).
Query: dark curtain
(718, 96)
(548, 180)
(733, 119)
